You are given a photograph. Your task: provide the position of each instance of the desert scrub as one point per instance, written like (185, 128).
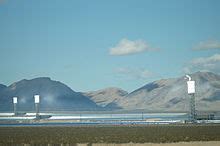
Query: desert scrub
(109, 134)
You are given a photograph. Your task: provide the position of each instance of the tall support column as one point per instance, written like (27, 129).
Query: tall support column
(15, 109)
(37, 101)
(192, 109)
(191, 92)
(37, 109)
(15, 101)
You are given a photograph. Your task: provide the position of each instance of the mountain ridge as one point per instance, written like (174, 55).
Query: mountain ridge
(171, 94)
(2, 87)
(107, 97)
(54, 96)
(160, 95)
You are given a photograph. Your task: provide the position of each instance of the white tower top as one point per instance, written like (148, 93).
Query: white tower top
(190, 85)
(37, 98)
(15, 100)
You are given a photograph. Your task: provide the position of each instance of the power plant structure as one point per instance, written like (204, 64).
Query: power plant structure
(15, 101)
(37, 101)
(191, 92)
(192, 115)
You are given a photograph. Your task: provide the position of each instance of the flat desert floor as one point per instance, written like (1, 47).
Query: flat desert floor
(137, 135)
(196, 143)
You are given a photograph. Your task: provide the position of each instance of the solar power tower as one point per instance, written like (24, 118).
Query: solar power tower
(15, 101)
(37, 101)
(191, 92)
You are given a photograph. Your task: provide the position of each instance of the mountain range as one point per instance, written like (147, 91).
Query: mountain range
(54, 96)
(161, 95)
(107, 98)
(171, 94)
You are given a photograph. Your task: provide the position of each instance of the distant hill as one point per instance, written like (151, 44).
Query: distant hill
(54, 96)
(171, 94)
(107, 97)
(164, 95)
(2, 87)
(161, 95)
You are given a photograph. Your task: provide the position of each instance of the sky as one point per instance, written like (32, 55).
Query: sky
(90, 45)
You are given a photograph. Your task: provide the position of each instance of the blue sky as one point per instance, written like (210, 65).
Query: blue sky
(91, 45)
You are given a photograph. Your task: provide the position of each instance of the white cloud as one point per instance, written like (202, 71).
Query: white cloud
(208, 44)
(203, 60)
(137, 73)
(126, 47)
(211, 63)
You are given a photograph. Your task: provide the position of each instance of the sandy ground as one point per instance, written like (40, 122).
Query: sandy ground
(152, 135)
(199, 143)
(195, 143)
